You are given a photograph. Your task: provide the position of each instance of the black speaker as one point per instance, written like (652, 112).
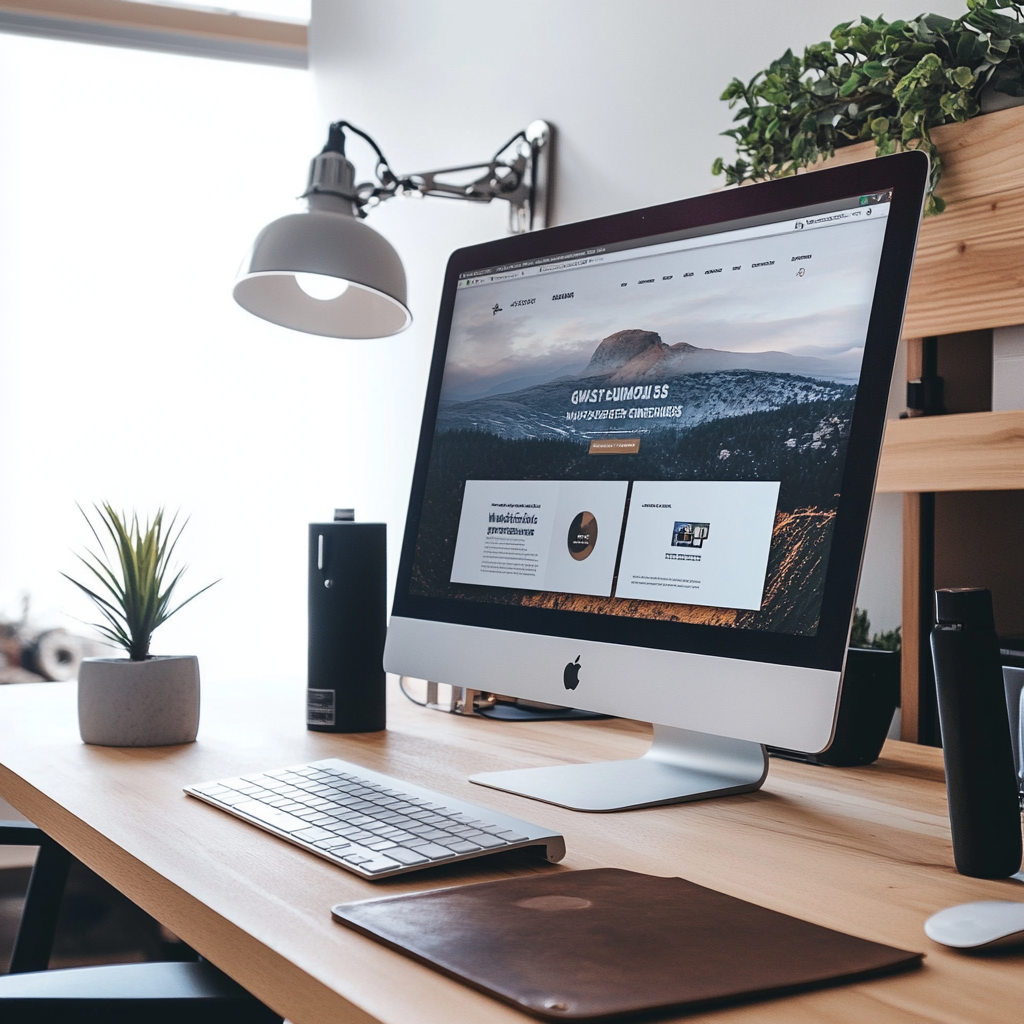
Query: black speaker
(981, 784)
(347, 624)
(871, 691)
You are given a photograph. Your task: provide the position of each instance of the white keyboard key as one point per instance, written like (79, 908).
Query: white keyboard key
(232, 799)
(311, 835)
(433, 851)
(465, 847)
(489, 842)
(404, 856)
(336, 846)
(272, 816)
(380, 864)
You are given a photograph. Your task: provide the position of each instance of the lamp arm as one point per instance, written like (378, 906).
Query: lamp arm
(502, 178)
(517, 173)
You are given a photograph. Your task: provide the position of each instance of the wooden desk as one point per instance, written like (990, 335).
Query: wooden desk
(865, 850)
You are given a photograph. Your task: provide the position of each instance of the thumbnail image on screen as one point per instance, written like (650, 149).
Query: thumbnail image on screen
(654, 430)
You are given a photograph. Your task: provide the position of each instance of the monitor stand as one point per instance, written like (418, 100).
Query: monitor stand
(680, 765)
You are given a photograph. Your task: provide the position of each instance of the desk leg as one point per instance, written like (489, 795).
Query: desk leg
(34, 942)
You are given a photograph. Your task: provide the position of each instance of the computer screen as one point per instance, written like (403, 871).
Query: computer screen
(660, 430)
(655, 429)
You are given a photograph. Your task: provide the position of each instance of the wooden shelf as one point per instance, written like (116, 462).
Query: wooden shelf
(978, 451)
(968, 276)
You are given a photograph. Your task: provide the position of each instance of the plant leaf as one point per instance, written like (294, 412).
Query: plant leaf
(890, 81)
(133, 568)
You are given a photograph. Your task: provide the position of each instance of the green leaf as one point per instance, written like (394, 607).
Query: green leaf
(872, 79)
(850, 86)
(135, 572)
(962, 76)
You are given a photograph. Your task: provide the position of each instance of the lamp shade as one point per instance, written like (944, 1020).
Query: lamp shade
(332, 247)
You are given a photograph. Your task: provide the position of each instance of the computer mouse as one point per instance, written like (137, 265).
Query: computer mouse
(979, 925)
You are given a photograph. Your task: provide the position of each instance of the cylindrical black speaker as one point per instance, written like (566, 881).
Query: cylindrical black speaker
(347, 623)
(980, 781)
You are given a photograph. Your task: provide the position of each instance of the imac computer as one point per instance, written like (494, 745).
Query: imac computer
(646, 467)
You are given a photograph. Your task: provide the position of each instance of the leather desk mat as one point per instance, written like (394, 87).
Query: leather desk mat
(607, 943)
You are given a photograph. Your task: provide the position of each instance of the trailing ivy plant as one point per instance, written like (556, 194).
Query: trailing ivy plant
(888, 82)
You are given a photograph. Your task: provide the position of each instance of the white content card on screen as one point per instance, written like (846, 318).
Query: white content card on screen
(555, 535)
(700, 542)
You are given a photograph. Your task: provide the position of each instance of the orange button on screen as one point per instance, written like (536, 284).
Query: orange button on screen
(615, 446)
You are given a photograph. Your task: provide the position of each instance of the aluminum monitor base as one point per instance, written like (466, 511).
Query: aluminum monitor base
(680, 765)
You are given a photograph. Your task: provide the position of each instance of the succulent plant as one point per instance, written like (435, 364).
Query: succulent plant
(135, 580)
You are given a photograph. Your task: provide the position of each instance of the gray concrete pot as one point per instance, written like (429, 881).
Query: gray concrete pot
(152, 703)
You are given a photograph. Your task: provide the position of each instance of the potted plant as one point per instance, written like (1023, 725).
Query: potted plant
(141, 700)
(888, 82)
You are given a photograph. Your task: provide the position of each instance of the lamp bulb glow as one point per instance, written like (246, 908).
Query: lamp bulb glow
(320, 286)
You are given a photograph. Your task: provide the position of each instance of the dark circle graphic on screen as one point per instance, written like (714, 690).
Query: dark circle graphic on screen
(582, 535)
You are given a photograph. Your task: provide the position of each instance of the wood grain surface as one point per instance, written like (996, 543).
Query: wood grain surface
(980, 157)
(969, 267)
(976, 451)
(864, 850)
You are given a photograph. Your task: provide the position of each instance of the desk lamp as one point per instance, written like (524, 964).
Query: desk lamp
(326, 272)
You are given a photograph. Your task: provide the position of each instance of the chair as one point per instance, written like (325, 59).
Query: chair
(157, 993)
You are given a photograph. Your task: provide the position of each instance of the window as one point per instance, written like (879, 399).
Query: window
(131, 183)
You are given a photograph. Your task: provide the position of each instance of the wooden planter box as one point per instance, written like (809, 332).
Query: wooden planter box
(969, 270)
(968, 276)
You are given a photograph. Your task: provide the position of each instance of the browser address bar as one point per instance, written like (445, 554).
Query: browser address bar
(785, 227)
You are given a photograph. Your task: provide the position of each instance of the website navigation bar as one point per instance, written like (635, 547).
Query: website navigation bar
(854, 210)
(713, 264)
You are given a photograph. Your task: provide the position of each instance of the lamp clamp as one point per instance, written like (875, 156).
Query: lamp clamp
(519, 172)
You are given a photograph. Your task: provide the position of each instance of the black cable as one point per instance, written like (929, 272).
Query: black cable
(335, 139)
(405, 693)
(389, 182)
(382, 161)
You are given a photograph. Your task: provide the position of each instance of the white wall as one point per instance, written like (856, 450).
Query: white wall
(881, 573)
(633, 89)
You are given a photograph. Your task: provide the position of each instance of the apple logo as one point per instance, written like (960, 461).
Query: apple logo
(571, 675)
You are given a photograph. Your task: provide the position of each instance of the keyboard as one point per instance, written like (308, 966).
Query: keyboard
(368, 823)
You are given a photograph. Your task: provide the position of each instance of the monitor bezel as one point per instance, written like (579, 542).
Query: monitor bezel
(906, 174)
